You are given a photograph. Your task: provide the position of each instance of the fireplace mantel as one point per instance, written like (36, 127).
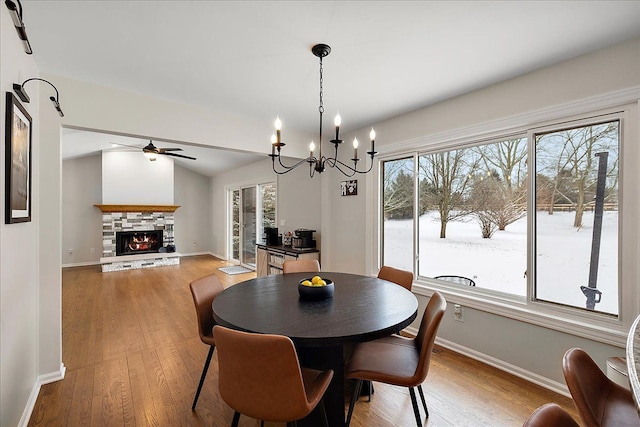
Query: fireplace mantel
(137, 208)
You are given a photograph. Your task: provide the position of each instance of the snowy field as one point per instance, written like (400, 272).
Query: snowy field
(499, 263)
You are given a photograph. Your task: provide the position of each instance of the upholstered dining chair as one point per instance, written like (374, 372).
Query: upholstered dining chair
(399, 277)
(600, 401)
(260, 376)
(397, 360)
(204, 290)
(395, 275)
(301, 266)
(550, 415)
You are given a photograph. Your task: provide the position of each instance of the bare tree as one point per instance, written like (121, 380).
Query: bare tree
(569, 157)
(398, 188)
(509, 159)
(447, 177)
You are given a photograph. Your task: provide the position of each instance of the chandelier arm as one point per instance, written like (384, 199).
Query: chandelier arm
(286, 168)
(351, 171)
(355, 170)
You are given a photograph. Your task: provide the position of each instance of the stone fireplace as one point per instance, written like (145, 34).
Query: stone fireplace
(137, 236)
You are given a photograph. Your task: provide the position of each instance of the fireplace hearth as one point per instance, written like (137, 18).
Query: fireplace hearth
(138, 242)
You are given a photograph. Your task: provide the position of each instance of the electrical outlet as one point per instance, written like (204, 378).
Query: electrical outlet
(458, 312)
(92, 250)
(70, 251)
(282, 222)
(195, 243)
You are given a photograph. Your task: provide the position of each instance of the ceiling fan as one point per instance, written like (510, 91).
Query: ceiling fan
(151, 150)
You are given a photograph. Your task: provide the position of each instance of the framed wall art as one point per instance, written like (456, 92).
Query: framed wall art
(18, 162)
(349, 188)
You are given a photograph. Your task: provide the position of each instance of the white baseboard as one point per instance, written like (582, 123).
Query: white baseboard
(532, 377)
(33, 396)
(195, 253)
(80, 264)
(222, 257)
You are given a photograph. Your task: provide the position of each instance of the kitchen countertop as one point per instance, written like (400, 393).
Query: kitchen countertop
(287, 248)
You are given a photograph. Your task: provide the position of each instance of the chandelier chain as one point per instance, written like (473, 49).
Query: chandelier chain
(321, 107)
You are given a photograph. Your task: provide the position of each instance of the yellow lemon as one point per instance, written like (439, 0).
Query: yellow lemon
(316, 279)
(322, 283)
(307, 283)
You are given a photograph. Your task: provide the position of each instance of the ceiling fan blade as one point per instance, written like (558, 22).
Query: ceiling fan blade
(179, 155)
(162, 150)
(125, 145)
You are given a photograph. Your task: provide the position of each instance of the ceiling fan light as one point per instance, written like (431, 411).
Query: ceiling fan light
(150, 155)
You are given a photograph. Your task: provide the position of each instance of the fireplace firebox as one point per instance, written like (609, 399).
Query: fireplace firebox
(138, 242)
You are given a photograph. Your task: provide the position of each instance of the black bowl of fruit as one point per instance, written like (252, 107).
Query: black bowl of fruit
(315, 288)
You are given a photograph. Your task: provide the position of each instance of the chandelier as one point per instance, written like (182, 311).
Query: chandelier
(319, 163)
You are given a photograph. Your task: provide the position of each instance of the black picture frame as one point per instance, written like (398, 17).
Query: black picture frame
(18, 162)
(349, 188)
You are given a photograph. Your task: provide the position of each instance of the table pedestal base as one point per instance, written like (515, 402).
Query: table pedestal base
(323, 358)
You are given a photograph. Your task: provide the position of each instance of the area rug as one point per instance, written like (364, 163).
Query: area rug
(234, 269)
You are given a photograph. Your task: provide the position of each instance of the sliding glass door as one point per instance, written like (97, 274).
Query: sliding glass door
(252, 208)
(249, 226)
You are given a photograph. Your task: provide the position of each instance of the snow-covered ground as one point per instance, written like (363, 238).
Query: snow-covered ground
(499, 263)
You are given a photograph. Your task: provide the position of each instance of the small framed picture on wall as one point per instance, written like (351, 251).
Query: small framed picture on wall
(349, 188)
(18, 162)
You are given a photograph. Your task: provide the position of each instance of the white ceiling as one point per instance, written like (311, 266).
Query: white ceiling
(253, 59)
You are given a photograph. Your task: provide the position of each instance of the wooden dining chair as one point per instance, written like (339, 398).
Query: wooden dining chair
(301, 266)
(397, 360)
(204, 290)
(600, 401)
(550, 415)
(260, 377)
(395, 275)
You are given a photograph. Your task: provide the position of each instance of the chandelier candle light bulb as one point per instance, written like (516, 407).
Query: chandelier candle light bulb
(312, 147)
(337, 122)
(278, 127)
(372, 137)
(355, 149)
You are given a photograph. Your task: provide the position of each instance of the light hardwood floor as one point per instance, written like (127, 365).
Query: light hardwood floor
(134, 358)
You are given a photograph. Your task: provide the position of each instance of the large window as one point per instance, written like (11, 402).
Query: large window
(470, 218)
(398, 196)
(577, 217)
(473, 208)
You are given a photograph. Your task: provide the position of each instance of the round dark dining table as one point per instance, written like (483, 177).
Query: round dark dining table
(362, 308)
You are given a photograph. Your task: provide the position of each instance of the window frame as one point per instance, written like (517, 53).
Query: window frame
(593, 325)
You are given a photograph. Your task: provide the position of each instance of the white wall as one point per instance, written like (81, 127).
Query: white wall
(193, 217)
(81, 220)
(132, 179)
(508, 343)
(21, 255)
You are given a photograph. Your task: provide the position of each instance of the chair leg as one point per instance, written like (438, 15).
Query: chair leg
(324, 413)
(371, 391)
(414, 403)
(424, 402)
(236, 418)
(354, 397)
(202, 377)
